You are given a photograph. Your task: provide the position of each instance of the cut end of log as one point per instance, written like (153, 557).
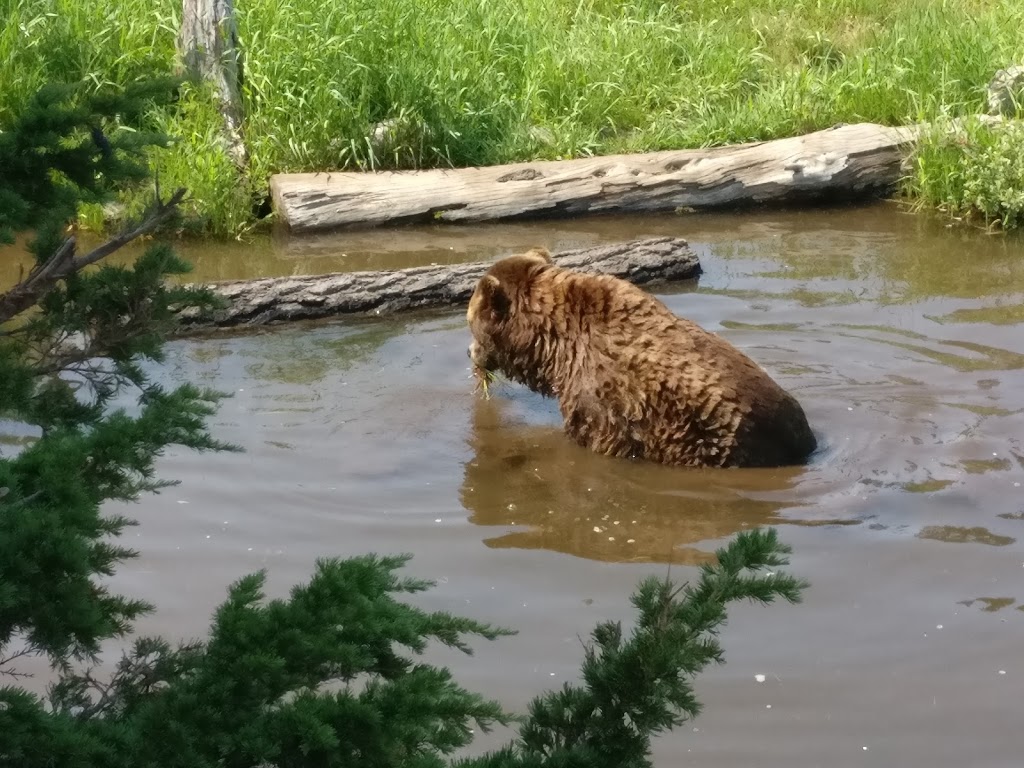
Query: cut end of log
(254, 303)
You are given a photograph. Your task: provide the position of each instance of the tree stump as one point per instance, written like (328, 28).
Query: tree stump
(209, 50)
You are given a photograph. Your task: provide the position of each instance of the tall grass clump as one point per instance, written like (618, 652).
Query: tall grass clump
(973, 171)
(378, 84)
(106, 42)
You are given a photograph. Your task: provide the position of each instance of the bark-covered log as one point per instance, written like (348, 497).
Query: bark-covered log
(258, 302)
(209, 50)
(844, 162)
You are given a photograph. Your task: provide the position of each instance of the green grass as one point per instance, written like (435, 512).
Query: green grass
(489, 81)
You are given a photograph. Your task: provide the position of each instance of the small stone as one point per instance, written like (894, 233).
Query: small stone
(1006, 91)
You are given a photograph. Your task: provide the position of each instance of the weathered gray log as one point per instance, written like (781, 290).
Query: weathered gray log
(259, 302)
(209, 50)
(847, 161)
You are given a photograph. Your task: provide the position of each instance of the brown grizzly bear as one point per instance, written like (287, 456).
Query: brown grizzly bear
(632, 379)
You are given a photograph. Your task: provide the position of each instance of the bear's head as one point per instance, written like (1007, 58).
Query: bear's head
(494, 303)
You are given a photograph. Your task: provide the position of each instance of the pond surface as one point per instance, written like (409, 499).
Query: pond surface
(904, 342)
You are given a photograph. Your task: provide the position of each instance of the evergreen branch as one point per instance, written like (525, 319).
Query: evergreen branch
(636, 687)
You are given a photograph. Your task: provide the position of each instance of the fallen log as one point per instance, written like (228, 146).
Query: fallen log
(259, 302)
(844, 162)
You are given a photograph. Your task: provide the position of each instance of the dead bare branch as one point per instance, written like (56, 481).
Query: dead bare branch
(160, 213)
(43, 276)
(23, 653)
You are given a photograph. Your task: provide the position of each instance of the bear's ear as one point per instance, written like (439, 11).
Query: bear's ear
(495, 297)
(541, 253)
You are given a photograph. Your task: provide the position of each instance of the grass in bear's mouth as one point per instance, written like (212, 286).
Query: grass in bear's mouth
(484, 379)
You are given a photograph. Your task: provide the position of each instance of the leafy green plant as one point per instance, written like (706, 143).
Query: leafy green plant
(973, 171)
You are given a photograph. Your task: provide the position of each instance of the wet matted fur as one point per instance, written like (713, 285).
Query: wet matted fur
(632, 379)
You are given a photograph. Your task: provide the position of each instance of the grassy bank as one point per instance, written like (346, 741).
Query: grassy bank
(489, 81)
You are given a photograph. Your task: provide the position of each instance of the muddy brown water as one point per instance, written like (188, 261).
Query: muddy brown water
(903, 340)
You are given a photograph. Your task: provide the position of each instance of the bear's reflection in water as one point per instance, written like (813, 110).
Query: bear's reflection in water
(562, 497)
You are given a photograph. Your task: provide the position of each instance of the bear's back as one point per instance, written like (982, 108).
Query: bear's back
(663, 386)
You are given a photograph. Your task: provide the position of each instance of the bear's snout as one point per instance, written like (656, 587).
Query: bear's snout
(479, 357)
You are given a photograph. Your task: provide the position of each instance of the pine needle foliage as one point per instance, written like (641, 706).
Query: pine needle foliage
(72, 145)
(318, 680)
(74, 335)
(330, 676)
(638, 687)
(314, 680)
